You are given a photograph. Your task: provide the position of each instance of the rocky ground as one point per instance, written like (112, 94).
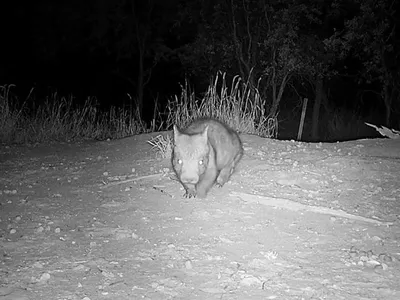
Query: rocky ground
(107, 220)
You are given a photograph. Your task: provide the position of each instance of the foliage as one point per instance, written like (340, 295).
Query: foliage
(58, 32)
(370, 37)
(121, 27)
(133, 34)
(273, 41)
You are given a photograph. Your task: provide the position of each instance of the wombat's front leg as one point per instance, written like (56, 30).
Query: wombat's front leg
(190, 191)
(207, 181)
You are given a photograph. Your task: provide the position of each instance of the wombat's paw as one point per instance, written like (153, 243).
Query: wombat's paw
(223, 177)
(219, 185)
(220, 181)
(190, 193)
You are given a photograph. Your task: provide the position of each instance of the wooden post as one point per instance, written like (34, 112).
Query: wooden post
(303, 115)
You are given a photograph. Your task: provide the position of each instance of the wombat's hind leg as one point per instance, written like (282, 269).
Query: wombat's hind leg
(225, 174)
(228, 170)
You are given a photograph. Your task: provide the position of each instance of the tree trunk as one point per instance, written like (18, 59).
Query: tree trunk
(277, 98)
(317, 105)
(388, 104)
(140, 84)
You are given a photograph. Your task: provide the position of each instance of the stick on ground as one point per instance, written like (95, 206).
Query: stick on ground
(295, 206)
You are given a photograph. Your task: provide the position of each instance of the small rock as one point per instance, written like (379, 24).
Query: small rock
(44, 278)
(363, 253)
(250, 281)
(188, 265)
(385, 258)
(40, 229)
(80, 268)
(38, 265)
(372, 263)
(353, 249)
(376, 238)
(353, 254)
(122, 235)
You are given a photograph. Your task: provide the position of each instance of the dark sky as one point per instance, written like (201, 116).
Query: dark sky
(49, 43)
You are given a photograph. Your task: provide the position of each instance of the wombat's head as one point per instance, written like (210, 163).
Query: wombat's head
(190, 155)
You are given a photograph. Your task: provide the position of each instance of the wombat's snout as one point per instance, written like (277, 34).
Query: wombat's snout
(189, 179)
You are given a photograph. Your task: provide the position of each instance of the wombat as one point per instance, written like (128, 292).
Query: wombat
(206, 152)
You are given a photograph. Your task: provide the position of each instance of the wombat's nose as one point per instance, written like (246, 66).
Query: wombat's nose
(189, 179)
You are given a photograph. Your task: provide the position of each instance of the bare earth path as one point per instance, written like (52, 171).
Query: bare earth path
(106, 220)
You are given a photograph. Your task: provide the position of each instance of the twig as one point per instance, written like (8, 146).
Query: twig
(158, 188)
(294, 206)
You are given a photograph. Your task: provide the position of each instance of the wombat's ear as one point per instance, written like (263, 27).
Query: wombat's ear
(205, 132)
(176, 132)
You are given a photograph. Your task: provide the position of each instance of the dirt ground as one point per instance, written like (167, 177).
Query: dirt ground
(107, 220)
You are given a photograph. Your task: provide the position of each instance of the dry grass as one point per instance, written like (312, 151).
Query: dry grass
(240, 107)
(58, 119)
(162, 145)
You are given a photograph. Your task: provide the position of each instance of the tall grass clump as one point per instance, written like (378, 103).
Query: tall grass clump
(9, 114)
(239, 106)
(60, 119)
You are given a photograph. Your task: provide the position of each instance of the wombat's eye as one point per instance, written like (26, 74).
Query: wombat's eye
(180, 161)
(201, 162)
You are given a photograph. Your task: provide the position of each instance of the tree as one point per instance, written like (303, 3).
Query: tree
(269, 43)
(132, 33)
(370, 36)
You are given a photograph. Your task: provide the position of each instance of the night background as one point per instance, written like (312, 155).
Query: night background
(343, 56)
(102, 197)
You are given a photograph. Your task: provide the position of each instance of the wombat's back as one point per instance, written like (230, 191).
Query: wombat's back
(224, 140)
